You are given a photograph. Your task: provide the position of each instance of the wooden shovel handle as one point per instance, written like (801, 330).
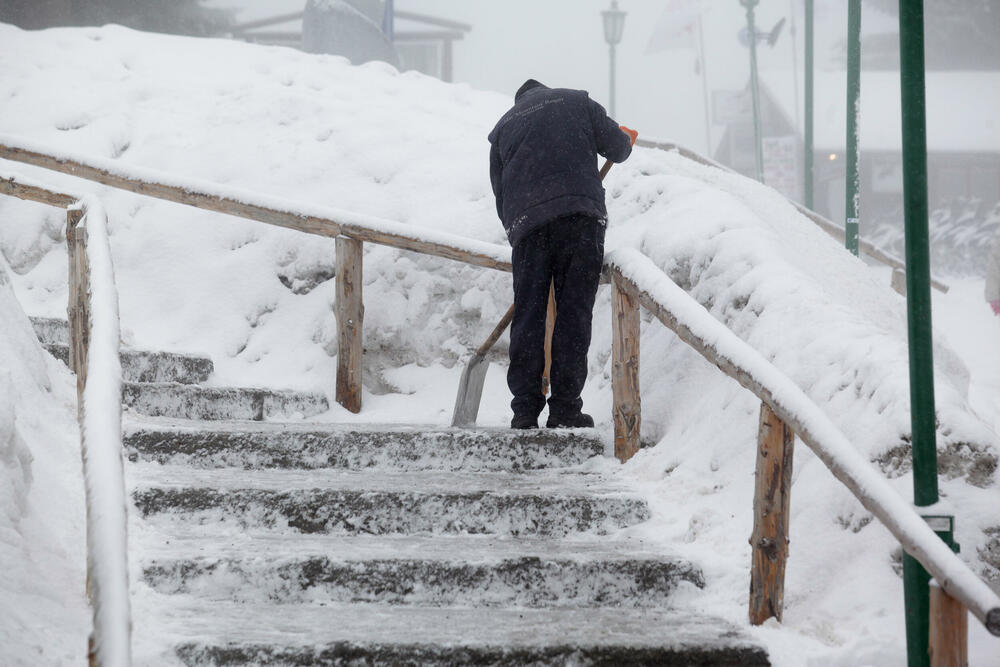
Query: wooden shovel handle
(606, 168)
(497, 332)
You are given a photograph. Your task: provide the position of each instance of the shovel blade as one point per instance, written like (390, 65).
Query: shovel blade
(470, 392)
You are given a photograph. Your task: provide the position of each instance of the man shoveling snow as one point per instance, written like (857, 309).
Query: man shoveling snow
(543, 167)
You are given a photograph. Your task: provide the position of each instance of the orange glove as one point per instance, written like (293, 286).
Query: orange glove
(632, 134)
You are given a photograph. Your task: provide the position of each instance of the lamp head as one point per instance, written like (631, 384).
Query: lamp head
(614, 24)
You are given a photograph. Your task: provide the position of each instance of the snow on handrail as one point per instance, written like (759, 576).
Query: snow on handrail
(99, 410)
(313, 219)
(714, 341)
(830, 227)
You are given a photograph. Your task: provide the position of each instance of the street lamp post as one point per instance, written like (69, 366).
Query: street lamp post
(754, 91)
(614, 25)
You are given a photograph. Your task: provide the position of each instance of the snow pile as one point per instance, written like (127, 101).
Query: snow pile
(275, 121)
(41, 500)
(408, 148)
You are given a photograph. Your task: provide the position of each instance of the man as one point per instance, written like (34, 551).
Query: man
(543, 167)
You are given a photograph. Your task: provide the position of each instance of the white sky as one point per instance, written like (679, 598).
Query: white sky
(561, 43)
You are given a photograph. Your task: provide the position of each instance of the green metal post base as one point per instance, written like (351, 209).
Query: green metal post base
(916, 595)
(851, 235)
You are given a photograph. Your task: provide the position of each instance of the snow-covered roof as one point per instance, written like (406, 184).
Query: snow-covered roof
(963, 110)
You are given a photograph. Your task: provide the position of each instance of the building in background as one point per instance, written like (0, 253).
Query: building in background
(963, 140)
(355, 29)
(181, 17)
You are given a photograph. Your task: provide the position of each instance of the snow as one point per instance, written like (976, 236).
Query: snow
(41, 500)
(102, 451)
(390, 148)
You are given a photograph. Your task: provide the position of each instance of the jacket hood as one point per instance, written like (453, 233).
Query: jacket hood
(528, 85)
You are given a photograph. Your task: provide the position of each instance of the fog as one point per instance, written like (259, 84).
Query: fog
(561, 43)
(688, 91)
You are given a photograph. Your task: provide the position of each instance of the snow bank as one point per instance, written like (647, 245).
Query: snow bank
(44, 618)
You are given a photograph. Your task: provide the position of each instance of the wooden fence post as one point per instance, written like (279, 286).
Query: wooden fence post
(350, 311)
(949, 630)
(627, 408)
(78, 308)
(772, 493)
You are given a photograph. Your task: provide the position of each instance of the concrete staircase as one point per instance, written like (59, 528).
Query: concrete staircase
(294, 543)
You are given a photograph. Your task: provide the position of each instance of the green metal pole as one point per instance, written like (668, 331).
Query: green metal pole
(918, 302)
(754, 91)
(853, 111)
(808, 139)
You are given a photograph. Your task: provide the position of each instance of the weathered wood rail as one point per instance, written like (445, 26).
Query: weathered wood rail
(785, 409)
(98, 389)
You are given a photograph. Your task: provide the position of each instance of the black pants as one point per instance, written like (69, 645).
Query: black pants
(568, 252)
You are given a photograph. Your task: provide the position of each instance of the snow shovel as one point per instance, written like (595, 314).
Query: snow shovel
(470, 387)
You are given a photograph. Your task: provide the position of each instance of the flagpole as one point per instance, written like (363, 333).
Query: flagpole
(795, 64)
(704, 86)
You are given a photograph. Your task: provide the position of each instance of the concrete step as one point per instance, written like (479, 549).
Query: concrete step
(470, 571)
(362, 634)
(141, 366)
(137, 365)
(170, 399)
(51, 330)
(254, 445)
(379, 503)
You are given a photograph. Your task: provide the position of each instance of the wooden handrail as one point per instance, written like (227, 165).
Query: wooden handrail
(94, 357)
(827, 225)
(16, 187)
(242, 203)
(638, 276)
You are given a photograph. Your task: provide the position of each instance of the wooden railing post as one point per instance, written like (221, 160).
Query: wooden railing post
(627, 408)
(350, 312)
(77, 311)
(948, 642)
(772, 493)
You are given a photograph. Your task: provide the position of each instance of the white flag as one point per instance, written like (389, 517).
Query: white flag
(676, 27)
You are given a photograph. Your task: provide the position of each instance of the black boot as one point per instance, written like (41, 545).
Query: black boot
(524, 422)
(577, 420)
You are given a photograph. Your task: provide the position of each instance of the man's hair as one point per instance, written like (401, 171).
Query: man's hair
(526, 86)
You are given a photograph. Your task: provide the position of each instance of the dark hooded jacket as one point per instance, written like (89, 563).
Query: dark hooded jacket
(543, 157)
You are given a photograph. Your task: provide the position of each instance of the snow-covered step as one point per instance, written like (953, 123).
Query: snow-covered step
(137, 365)
(51, 330)
(452, 570)
(190, 632)
(335, 501)
(169, 399)
(255, 444)
(143, 366)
